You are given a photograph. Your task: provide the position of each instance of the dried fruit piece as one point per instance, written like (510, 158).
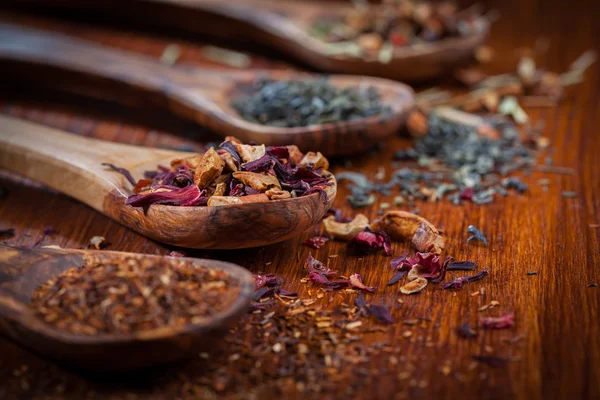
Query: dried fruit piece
(250, 153)
(256, 181)
(317, 160)
(220, 189)
(414, 286)
(295, 155)
(208, 168)
(277, 194)
(428, 239)
(345, 230)
(402, 225)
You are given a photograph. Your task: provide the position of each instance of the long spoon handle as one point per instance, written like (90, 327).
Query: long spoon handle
(57, 60)
(69, 163)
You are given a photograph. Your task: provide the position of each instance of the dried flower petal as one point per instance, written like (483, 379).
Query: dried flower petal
(368, 242)
(381, 313)
(322, 280)
(504, 321)
(186, 196)
(176, 253)
(345, 230)
(458, 283)
(264, 280)
(398, 275)
(316, 242)
(414, 286)
(122, 171)
(356, 281)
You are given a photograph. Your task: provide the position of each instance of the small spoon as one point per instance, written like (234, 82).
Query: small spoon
(72, 164)
(23, 270)
(199, 94)
(285, 26)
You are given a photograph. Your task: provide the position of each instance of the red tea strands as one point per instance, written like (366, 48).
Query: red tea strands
(133, 294)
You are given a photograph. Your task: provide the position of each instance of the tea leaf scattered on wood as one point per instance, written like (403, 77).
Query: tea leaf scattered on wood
(476, 235)
(461, 265)
(466, 331)
(492, 361)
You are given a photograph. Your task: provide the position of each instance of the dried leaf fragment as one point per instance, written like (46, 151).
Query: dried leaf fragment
(256, 181)
(345, 230)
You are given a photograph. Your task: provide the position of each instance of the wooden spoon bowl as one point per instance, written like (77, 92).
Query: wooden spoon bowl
(285, 26)
(23, 270)
(72, 164)
(198, 94)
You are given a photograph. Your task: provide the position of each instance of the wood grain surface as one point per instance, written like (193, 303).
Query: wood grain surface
(556, 313)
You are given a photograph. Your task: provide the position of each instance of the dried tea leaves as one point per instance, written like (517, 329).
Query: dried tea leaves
(288, 104)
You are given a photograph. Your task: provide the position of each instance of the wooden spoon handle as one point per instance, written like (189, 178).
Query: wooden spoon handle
(68, 63)
(69, 163)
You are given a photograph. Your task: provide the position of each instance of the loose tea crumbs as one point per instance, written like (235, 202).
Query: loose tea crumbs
(288, 104)
(132, 294)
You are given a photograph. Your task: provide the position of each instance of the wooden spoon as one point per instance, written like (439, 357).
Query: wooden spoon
(23, 270)
(72, 164)
(202, 95)
(285, 25)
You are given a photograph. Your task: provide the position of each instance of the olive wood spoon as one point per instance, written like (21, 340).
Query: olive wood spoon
(199, 94)
(285, 26)
(22, 270)
(72, 164)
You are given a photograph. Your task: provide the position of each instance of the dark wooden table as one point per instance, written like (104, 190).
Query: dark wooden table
(556, 313)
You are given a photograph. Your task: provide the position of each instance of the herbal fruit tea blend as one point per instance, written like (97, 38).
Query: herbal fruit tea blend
(234, 173)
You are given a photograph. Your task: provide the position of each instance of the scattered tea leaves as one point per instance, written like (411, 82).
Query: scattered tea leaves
(476, 235)
(492, 361)
(466, 331)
